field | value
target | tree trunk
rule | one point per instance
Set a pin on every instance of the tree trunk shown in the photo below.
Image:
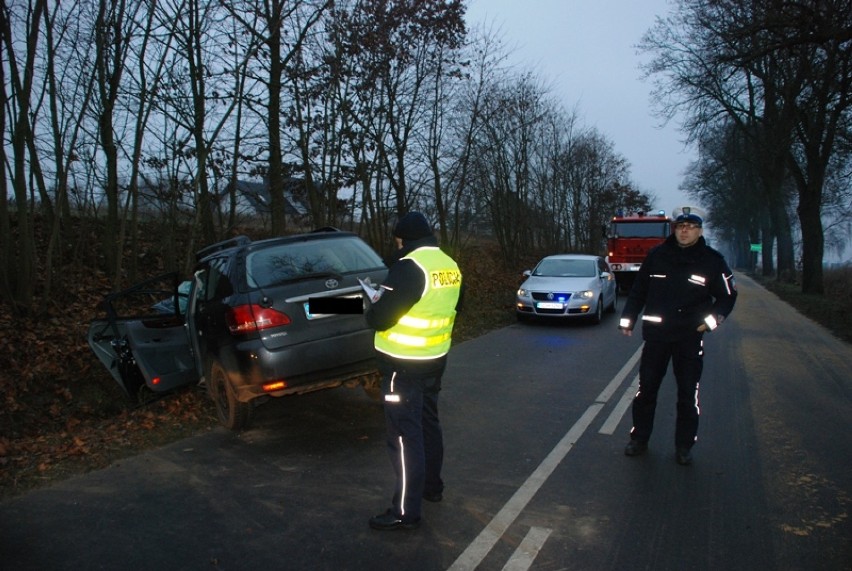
(813, 239)
(784, 235)
(21, 260)
(273, 107)
(23, 268)
(6, 267)
(767, 241)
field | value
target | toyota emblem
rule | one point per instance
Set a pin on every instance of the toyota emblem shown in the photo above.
(331, 283)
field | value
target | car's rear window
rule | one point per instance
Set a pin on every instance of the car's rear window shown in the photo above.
(297, 260)
(566, 268)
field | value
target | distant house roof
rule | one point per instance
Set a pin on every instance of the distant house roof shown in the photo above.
(252, 197)
(257, 195)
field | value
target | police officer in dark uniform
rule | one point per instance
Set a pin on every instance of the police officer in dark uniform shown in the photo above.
(686, 289)
(414, 320)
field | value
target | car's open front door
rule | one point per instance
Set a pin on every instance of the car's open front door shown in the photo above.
(141, 337)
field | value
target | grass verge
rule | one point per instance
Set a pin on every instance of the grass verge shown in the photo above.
(832, 310)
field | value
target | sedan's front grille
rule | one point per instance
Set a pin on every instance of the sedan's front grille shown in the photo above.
(551, 296)
(550, 311)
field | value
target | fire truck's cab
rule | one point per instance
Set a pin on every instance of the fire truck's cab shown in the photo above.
(629, 239)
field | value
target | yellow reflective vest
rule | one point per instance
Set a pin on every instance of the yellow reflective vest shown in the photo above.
(425, 331)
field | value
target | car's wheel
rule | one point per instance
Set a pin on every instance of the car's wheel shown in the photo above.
(612, 308)
(232, 413)
(146, 396)
(597, 317)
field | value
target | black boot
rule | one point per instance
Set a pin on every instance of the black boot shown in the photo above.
(683, 456)
(635, 448)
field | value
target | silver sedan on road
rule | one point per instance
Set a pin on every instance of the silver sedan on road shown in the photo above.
(567, 286)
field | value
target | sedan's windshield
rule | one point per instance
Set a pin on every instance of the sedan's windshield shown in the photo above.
(566, 268)
(319, 258)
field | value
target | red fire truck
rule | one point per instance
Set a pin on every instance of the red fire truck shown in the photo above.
(630, 238)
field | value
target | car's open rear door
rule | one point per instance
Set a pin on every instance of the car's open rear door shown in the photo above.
(141, 337)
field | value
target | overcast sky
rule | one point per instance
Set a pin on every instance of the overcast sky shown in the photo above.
(585, 50)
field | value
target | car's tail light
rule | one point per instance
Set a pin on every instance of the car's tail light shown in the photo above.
(251, 318)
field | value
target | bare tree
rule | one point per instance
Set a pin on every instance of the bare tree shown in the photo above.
(276, 54)
(361, 120)
(781, 71)
(203, 111)
(694, 75)
(240, 60)
(320, 90)
(823, 46)
(6, 250)
(724, 178)
(19, 254)
(67, 46)
(143, 86)
(598, 178)
(504, 156)
(398, 47)
(114, 32)
(487, 57)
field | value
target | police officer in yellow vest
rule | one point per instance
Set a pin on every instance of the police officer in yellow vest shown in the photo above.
(413, 320)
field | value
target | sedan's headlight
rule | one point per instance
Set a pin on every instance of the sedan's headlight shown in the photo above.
(588, 294)
(523, 293)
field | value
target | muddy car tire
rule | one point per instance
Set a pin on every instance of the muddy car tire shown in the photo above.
(232, 413)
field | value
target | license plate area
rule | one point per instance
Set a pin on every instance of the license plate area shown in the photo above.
(344, 308)
(312, 316)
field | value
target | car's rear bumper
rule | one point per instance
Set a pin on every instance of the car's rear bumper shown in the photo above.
(256, 370)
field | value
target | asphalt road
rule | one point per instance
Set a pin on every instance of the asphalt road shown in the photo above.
(535, 425)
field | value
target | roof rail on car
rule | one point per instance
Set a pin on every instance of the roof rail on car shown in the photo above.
(223, 245)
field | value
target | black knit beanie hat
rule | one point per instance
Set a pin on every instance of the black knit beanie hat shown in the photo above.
(412, 226)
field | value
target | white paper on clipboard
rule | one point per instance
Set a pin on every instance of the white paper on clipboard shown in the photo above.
(372, 293)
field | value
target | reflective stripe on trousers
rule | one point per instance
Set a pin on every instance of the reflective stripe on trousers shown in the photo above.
(686, 356)
(414, 439)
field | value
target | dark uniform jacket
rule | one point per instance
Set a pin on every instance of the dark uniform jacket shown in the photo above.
(679, 289)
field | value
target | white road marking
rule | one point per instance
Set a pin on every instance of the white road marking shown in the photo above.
(619, 376)
(474, 554)
(476, 551)
(617, 413)
(524, 555)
